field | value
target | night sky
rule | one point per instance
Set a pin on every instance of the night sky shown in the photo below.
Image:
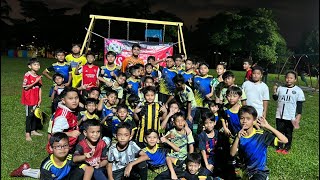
(294, 17)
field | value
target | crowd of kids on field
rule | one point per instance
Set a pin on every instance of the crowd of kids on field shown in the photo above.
(178, 121)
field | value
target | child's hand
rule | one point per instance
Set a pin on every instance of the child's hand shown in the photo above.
(109, 84)
(227, 131)
(112, 73)
(190, 118)
(39, 103)
(242, 133)
(75, 133)
(262, 122)
(295, 123)
(38, 78)
(210, 167)
(84, 118)
(170, 136)
(137, 109)
(163, 109)
(55, 88)
(275, 87)
(127, 170)
(87, 155)
(164, 139)
(190, 80)
(129, 86)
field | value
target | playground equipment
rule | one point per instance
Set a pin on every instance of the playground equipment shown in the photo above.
(148, 33)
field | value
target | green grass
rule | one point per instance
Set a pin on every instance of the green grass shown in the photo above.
(301, 163)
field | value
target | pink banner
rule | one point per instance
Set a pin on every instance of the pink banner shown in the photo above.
(123, 49)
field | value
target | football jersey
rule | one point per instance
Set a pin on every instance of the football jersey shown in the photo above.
(90, 75)
(106, 71)
(135, 86)
(182, 141)
(99, 152)
(82, 60)
(188, 75)
(208, 144)
(50, 170)
(30, 97)
(233, 121)
(202, 84)
(287, 101)
(63, 69)
(187, 96)
(167, 76)
(157, 157)
(116, 121)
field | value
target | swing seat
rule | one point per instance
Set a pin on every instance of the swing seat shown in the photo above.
(153, 33)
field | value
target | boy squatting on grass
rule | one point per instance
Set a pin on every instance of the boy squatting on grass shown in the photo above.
(252, 144)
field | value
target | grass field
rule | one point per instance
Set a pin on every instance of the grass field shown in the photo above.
(301, 163)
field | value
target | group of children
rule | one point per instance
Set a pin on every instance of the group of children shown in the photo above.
(178, 121)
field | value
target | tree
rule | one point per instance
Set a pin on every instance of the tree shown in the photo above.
(311, 43)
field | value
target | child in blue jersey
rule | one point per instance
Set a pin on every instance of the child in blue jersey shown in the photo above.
(58, 88)
(59, 67)
(110, 69)
(208, 139)
(134, 80)
(189, 73)
(157, 155)
(57, 166)
(132, 102)
(122, 115)
(252, 144)
(179, 63)
(202, 83)
(148, 81)
(107, 107)
(167, 86)
(90, 112)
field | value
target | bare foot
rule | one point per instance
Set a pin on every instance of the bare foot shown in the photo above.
(35, 133)
(28, 137)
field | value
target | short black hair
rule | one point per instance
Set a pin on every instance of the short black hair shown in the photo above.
(122, 106)
(248, 109)
(212, 103)
(140, 65)
(224, 64)
(148, 64)
(59, 51)
(146, 78)
(174, 101)
(207, 115)
(133, 99)
(58, 136)
(111, 53)
(178, 114)
(111, 91)
(91, 100)
(250, 62)
(188, 59)
(146, 89)
(33, 60)
(227, 74)
(68, 89)
(133, 68)
(170, 57)
(76, 44)
(149, 131)
(136, 45)
(124, 125)
(178, 79)
(90, 53)
(177, 56)
(204, 63)
(91, 122)
(257, 68)
(292, 72)
(151, 57)
(56, 75)
(234, 90)
(194, 157)
(94, 89)
(122, 74)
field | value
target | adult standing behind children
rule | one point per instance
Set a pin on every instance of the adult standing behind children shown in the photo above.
(75, 59)
(132, 60)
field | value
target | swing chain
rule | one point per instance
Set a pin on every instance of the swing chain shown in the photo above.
(109, 23)
(146, 32)
(164, 32)
(128, 30)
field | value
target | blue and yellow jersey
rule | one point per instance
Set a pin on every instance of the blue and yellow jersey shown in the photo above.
(188, 75)
(63, 69)
(167, 76)
(50, 170)
(253, 148)
(157, 156)
(116, 121)
(106, 71)
(202, 84)
(106, 110)
(135, 85)
(187, 96)
(82, 60)
(233, 121)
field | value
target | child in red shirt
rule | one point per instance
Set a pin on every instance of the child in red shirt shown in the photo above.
(31, 96)
(247, 64)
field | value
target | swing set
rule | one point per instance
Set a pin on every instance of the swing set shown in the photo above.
(148, 32)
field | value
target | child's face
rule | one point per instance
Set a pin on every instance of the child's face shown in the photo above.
(290, 79)
(90, 59)
(110, 59)
(180, 122)
(179, 86)
(75, 49)
(246, 65)
(233, 98)
(214, 108)
(149, 96)
(122, 113)
(61, 149)
(141, 72)
(209, 125)
(148, 82)
(71, 100)
(220, 70)
(229, 81)
(256, 75)
(152, 139)
(174, 108)
(35, 66)
(136, 51)
(149, 69)
(91, 107)
(246, 120)
(169, 63)
(204, 70)
(59, 80)
(94, 94)
(60, 57)
(121, 80)
(123, 136)
(193, 168)
(151, 60)
(188, 65)
(136, 73)
(92, 133)
(178, 62)
(112, 99)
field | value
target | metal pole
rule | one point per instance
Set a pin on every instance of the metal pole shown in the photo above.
(87, 38)
(284, 66)
(298, 62)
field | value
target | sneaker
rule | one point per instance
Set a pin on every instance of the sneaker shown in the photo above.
(18, 172)
(279, 151)
(285, 152)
